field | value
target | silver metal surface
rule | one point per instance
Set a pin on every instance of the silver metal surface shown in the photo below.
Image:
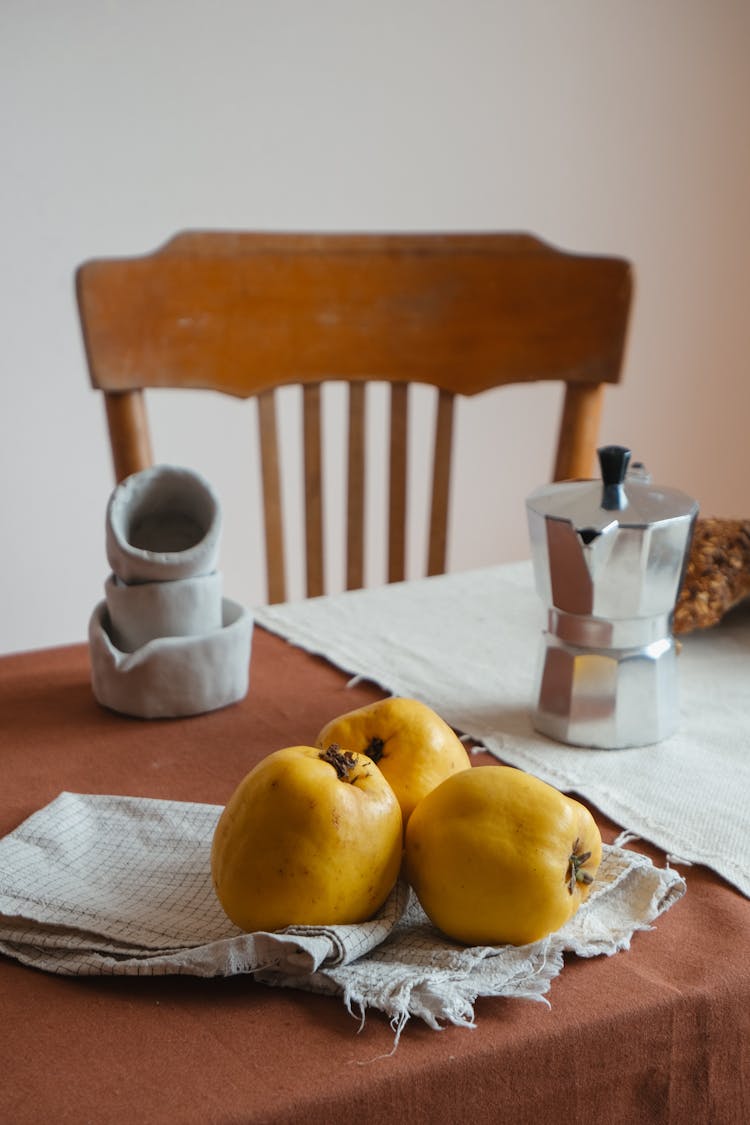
(595, 632)
(609, 556)
(607, 698)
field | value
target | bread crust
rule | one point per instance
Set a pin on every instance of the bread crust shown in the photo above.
(717, 576)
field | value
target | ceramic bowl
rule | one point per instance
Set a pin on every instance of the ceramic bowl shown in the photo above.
(172, 677)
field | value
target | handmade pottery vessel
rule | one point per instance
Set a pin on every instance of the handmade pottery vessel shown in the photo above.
(186, 607)
(164, 643)
(171, 677)
(163, 524)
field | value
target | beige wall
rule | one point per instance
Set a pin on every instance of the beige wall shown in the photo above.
(600, 125)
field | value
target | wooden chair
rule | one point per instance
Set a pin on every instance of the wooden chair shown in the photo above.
(245, 313)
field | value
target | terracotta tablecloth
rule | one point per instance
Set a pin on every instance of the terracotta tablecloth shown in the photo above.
(659, 1033)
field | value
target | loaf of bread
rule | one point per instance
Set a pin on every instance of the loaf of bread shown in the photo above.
(717, 576)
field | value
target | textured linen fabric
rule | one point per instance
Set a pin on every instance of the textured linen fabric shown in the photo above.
(106, 885)
(467, 645)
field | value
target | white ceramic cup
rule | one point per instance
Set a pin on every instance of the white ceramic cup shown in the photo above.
(186, 607)
(163, 524)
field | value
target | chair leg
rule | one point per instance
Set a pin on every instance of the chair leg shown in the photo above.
(128, 432)
(355, 493)
(397, 483)
(315, 567)
(441, 477)
(579, 431)
(272, 516)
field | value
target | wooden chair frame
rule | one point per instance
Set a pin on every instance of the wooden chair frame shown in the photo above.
(244, 313)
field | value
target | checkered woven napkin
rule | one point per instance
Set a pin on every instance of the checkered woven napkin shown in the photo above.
(106, 885)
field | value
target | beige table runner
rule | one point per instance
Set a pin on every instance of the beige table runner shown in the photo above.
(466, 644)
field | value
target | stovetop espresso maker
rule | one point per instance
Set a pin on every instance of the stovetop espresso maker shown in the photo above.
(609, 557)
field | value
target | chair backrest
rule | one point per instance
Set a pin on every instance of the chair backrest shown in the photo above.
(245, 313)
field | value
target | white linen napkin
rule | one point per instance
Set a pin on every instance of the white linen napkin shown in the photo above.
(107, 885)
(467, 645)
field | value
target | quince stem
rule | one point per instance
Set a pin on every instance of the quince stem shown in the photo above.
(575, 874)
(343, 761)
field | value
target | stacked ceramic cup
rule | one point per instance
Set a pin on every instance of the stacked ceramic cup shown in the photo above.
(165, 642)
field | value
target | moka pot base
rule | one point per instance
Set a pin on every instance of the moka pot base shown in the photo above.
(607, 698)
